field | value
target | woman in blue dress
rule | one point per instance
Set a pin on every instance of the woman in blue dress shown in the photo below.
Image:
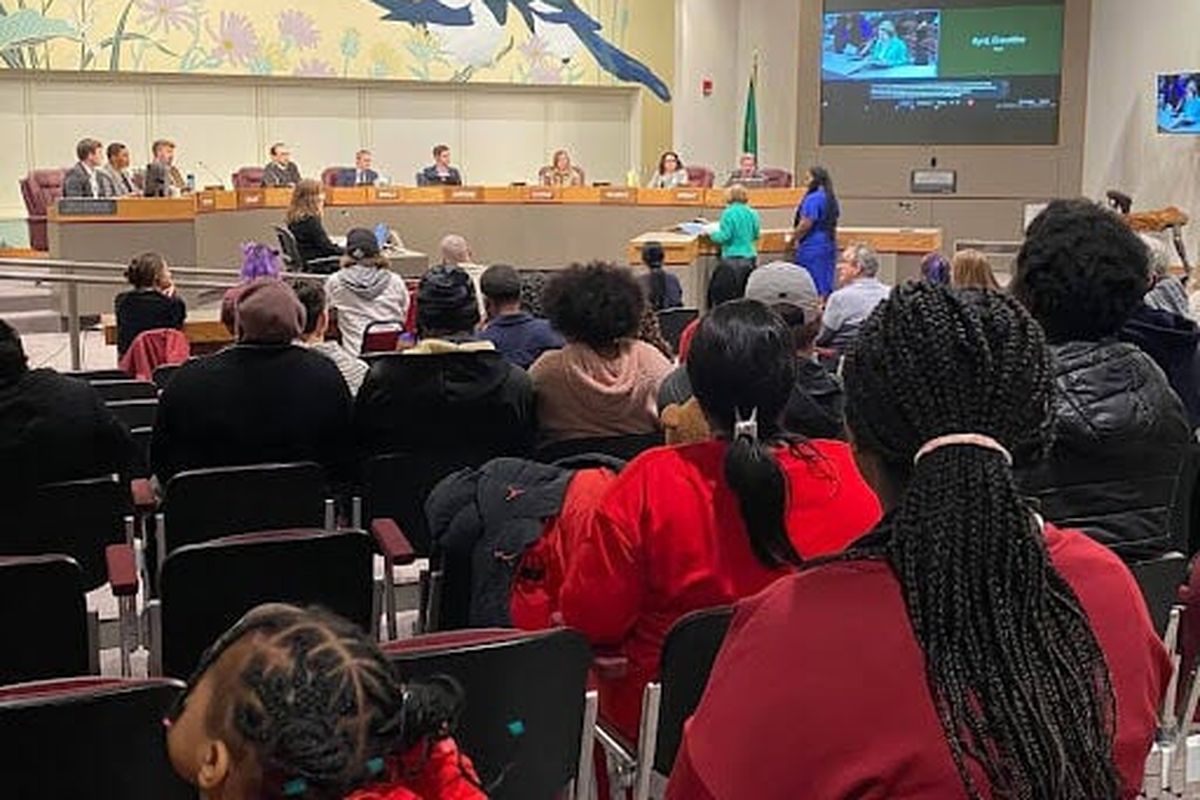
(816, 229)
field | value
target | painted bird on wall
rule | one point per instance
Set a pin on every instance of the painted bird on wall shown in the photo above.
(564, 15)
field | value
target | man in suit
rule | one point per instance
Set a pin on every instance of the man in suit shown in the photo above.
(84, 179)
(440, 173)
(361, 175)
(281, 171)
(116, 171)
(164, 155)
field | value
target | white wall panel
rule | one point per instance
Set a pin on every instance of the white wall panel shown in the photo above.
(13, 140)
(215, 126)
(404, 124)
(507, 124)
(64, 113)
(595, 128)
(320, 124)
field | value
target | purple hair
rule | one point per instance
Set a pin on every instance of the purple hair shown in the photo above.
(260, 261)
(935, 269)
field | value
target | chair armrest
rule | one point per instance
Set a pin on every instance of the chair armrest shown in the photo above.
(392, 542)
(610, 668)
(142, 492)
(122, 569)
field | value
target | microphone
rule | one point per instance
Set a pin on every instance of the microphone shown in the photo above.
(212, 172)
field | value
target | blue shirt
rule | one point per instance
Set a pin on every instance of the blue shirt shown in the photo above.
(521, 337)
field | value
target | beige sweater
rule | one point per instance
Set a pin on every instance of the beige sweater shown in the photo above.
(582, 395)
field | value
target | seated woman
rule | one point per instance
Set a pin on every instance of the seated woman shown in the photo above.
(561, 172)
(662, 288)
(671, 173)
(151, 304)
(604, 382)
(964, 648)
(686, 528)
(304, 220)
(365, 290)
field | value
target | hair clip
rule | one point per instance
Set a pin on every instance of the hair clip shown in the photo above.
(516, 728)
(295, 787)
(745, 428)
(375, 765)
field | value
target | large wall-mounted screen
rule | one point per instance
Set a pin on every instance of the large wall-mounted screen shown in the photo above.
(906, 72)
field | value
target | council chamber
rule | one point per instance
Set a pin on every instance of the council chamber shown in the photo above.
(590, 399)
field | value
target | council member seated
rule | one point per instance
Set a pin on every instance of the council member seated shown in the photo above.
(117, 171)
(365, 290)
(747, 173)
(848, 308)
(85, 178)
(518, 335)
(164, 154)
(281, 170)
(561, 172)
(671, 173)
(361, 175)
(305, 220)
(440, 173)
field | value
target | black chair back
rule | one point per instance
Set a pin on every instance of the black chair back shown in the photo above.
(205, 504)
(688, 654)
(289, 248)
(99, 375)
(524, 707)
(672, 322)
(625, 448)
(1160, 579)
(100, 737)
(127, 389)
(44, 619)
(75, 518)
(135, 413)
(162, 375)
(141, 440)
(205, 588)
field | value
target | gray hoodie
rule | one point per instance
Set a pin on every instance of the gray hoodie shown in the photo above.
(362, 295)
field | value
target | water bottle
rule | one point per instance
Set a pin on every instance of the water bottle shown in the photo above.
(191, 183)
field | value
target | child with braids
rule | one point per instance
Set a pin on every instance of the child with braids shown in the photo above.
(691, 527)
(298, 704)
(963, 648)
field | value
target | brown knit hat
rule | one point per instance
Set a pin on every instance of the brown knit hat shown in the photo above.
(268, 312)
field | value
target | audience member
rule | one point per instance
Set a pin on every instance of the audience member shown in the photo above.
(85, 179)
(151, 304)
(456, 252)
(117, 171)
(294, 702)
(263, 400)
(304, 220)
(662, 288)
(533, 286)
(440, 173)
(671, 173)
(1081, 273)
(970, 269)
(992, 654)
(604, 381)
(737, 232)
(815, 229)
(518, 335)
(316, 324)
(361, 175)
(163, 151)
(935, 268)
(702, 525)
(561, 172)
(365, 290)
(53, 428)
(1167, 292)
(258, 261)
(860, 291)
(747, 173)
(281, 170)
(452, 393)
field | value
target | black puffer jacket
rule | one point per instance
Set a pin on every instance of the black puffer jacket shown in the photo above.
(1120, 439)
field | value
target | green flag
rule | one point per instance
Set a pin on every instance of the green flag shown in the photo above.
(750, 129)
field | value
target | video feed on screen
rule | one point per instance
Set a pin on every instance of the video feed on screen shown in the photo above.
(1179, 103)
(912, 72)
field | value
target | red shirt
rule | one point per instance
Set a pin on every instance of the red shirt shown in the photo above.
(820, 689)
(668, 538)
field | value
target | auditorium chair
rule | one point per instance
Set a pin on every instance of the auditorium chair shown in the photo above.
(529, 717)
(91, 375)
(40, 190)
(1160, 580)
(45, 621)
(135, 413)
(296, 262)
(162, 376)
(777, 178)
(673, 321)
(382, 336)
(89, 737)
(624, 448)
(700, 177)
(687, 658)
(205, 588)
(126, 389)
(329, 175)
(248, 178)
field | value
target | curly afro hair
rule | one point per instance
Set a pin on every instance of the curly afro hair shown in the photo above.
(595, 304)
(1081, 271)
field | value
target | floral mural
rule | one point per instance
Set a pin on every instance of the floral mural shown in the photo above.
(504, 41)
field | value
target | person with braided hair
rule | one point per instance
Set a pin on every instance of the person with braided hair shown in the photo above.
(690, 527)
(963, 648)
(299, 704)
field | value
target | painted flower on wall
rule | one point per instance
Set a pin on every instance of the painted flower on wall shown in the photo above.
(314, 68)
(298, 30)
(236, 41)
(165, 15)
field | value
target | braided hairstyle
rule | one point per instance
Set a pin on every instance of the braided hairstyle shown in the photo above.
(1015, 672)
(314, 703)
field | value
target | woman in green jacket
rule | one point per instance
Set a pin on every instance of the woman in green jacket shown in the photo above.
(737, 234)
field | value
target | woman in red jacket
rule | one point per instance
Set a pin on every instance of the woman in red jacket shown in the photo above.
(686, 528)
(964, 648)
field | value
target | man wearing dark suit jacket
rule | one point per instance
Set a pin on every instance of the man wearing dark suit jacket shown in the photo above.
(361, 175)
(282, 171)
(85, 179)
(440, 173)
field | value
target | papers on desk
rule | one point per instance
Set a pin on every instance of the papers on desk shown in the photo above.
(696, 228)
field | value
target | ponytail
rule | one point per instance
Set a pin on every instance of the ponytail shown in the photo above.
(761, 489)
(658, 287)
